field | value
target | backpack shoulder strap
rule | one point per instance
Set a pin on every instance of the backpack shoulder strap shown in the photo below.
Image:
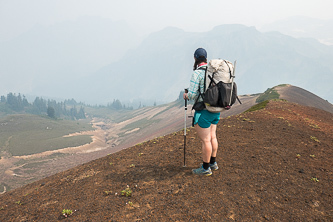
(202, 94)
(202, 68)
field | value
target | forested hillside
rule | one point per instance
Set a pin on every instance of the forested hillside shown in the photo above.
(13, 103)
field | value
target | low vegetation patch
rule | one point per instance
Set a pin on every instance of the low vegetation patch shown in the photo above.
(314, 139)
(258, 106)
(127, 192)
(269, 94)
(66, 212)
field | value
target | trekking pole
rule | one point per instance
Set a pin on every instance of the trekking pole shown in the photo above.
(186, 91)
(232, 83)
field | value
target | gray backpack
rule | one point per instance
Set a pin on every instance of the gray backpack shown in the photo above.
(220, 88)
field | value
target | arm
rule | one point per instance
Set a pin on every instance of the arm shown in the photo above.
(194, 86)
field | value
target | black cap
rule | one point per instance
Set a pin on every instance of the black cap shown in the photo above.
(200, 52)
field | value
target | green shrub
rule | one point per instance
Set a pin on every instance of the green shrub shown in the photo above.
(269, 94)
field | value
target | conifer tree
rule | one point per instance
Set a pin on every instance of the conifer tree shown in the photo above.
(51, 112)
(81, 114)
(117, 105)
(3, 99)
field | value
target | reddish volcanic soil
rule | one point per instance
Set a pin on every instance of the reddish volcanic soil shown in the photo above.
(275, 164)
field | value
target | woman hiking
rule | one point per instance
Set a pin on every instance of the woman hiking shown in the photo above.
(204, 121)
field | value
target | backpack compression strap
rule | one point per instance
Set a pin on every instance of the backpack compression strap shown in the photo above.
(232, 85)
(231, 76)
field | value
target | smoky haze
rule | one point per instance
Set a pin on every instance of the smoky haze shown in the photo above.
(47, 48)
(19, 16)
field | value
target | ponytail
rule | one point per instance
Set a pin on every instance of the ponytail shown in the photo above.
(198, 61)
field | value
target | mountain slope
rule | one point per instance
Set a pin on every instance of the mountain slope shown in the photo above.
(161, 66)
(275, 164)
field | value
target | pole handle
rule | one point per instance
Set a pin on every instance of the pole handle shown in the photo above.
(186, 91)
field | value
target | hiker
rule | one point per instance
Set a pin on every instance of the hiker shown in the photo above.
(205, 122)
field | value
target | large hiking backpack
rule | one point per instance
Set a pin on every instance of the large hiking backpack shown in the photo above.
(220, 88)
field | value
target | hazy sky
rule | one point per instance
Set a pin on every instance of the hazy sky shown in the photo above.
(18, 16)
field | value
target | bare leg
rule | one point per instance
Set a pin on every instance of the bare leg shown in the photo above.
(205, 135)
(214, 140)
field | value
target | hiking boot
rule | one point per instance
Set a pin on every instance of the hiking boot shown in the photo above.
(202, 171)
(212, 166)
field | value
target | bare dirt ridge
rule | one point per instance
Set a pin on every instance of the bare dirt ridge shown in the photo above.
(303, 97)
(275, 164)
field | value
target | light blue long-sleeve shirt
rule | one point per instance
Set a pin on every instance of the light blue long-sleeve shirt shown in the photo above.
(197, 81)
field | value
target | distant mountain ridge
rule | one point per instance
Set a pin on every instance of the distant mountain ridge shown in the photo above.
(161, 66)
